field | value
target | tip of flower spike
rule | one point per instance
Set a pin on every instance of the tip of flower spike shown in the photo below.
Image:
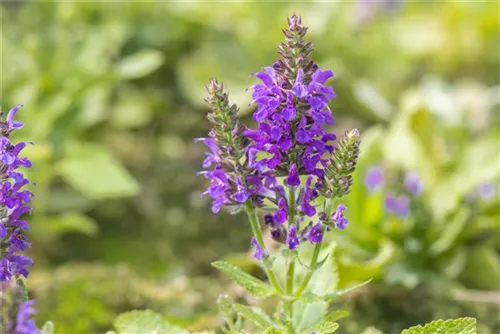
(294, 21)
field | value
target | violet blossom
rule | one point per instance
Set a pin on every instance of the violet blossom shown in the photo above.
(290, 141)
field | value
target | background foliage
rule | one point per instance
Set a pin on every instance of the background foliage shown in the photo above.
(113, 96)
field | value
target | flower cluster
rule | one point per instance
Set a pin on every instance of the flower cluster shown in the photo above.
(14, 200)
(16, 312)
(395, 204)
(289, 160)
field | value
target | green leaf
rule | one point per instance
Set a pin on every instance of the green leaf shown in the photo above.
(92, 171)
(255, 314)
(139, 64)
(346, 290)
(307, 314)
(327, 325)
(272, 330)
(450, 233)
(456, 326)
(482, 270)
(144, 322)
(72, 222)
(48, 328)
(250, 283)
(326, 278)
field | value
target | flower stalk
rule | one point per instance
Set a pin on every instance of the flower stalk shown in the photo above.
(284, 164)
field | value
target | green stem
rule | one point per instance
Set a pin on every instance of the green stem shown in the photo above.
(257, 232)
(290, 274)
(314, 259)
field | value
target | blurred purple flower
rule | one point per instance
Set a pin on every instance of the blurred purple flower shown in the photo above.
(374, 178)
(487, 190)
(398, 205)
(413, 183)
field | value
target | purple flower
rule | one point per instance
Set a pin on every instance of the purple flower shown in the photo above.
(259, 252)
(24, 323)
(413, 183)
(339, 218)
(310, 195)
(315, 234)
(15, 201)
(374, 178)
(281, 215)
(487, 190)
(293, 179)
(292, 241)
(398, 205)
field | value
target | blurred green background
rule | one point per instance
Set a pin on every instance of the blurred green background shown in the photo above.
(113, 96)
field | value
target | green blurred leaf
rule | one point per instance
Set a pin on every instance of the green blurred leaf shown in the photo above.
(272, 330)
(97, 175)
(456, 326)
(250, 283)
(482, 270)
(139, 64)
(449, 233)
(72, 222)
(254, 314)
(48, 328)
(144, 322)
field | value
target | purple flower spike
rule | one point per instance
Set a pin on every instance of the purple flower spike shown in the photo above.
(259, 252)
(293, 179)
(16, 202)
(413, 183)
(374, 178)
(315, 234)
(292, 241)
(25, 324)
(339, 218)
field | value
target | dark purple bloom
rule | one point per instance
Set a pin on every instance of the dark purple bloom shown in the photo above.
(259, 252)
(293, 179)
(281, 215)
(315, 234)
(292, 241)
(413, 183)
(398, 205)
(374, 178)
(310, 195)
(339, 218)
(269, 220)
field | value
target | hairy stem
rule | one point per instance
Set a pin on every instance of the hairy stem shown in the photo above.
(257, 232)
(314, 258)
(290, 273)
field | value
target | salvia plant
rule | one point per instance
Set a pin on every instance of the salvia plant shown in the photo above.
(288, 167)
(16, 310)
(290, 171)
